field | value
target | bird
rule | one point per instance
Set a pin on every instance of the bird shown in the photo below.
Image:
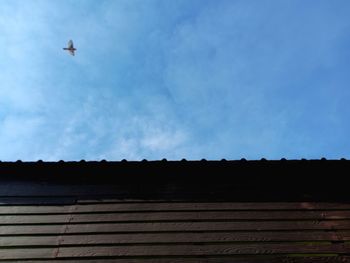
(70, 48)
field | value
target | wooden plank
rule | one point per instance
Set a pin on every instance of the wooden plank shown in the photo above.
(204, 250)
(137, 238)
(37, 209)
(32, 229)
(209, 226)
(173, 216)
(229, 259)
(210, 215)
(144, 207)
(13, 241)
(173, 250)
(34, 219)
(210, 206)
(170, 204)
(27, 253)
(139, 207)
(174, 227)
(345, 235)
(205, 237)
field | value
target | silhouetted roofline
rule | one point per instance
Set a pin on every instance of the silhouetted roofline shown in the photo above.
(286, 180)
(177, 168)
(182, 160)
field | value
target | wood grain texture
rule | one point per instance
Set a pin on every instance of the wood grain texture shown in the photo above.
(32, 229)
(174, 250)
(140, 204)
(174, 227)
(211, 206)
(144, 238)
(171, 216)
(28, 253)
(197, 250)
(209, 226)
(212, 215)
(206, 237)
(34, 219)
(36, 209)
(171, 206)
(23, 241)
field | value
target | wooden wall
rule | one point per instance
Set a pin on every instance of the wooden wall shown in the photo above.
(283, 211)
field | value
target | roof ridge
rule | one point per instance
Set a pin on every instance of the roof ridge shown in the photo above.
(180, 160)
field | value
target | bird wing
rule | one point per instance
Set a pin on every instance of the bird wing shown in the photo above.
(70, 44)
(71, 52)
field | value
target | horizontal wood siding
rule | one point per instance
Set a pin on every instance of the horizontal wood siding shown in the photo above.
(172, 212)
(133, 231)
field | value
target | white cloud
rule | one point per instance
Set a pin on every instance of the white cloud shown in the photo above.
(164, 141)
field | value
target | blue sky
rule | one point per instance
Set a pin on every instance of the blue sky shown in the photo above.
(174, 79)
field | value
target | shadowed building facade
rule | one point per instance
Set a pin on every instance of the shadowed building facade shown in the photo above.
(175, 211)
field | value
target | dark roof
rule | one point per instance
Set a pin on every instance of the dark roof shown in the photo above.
(175, 211)
(293, 180)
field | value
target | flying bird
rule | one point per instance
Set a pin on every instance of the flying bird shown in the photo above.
(70, 47)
